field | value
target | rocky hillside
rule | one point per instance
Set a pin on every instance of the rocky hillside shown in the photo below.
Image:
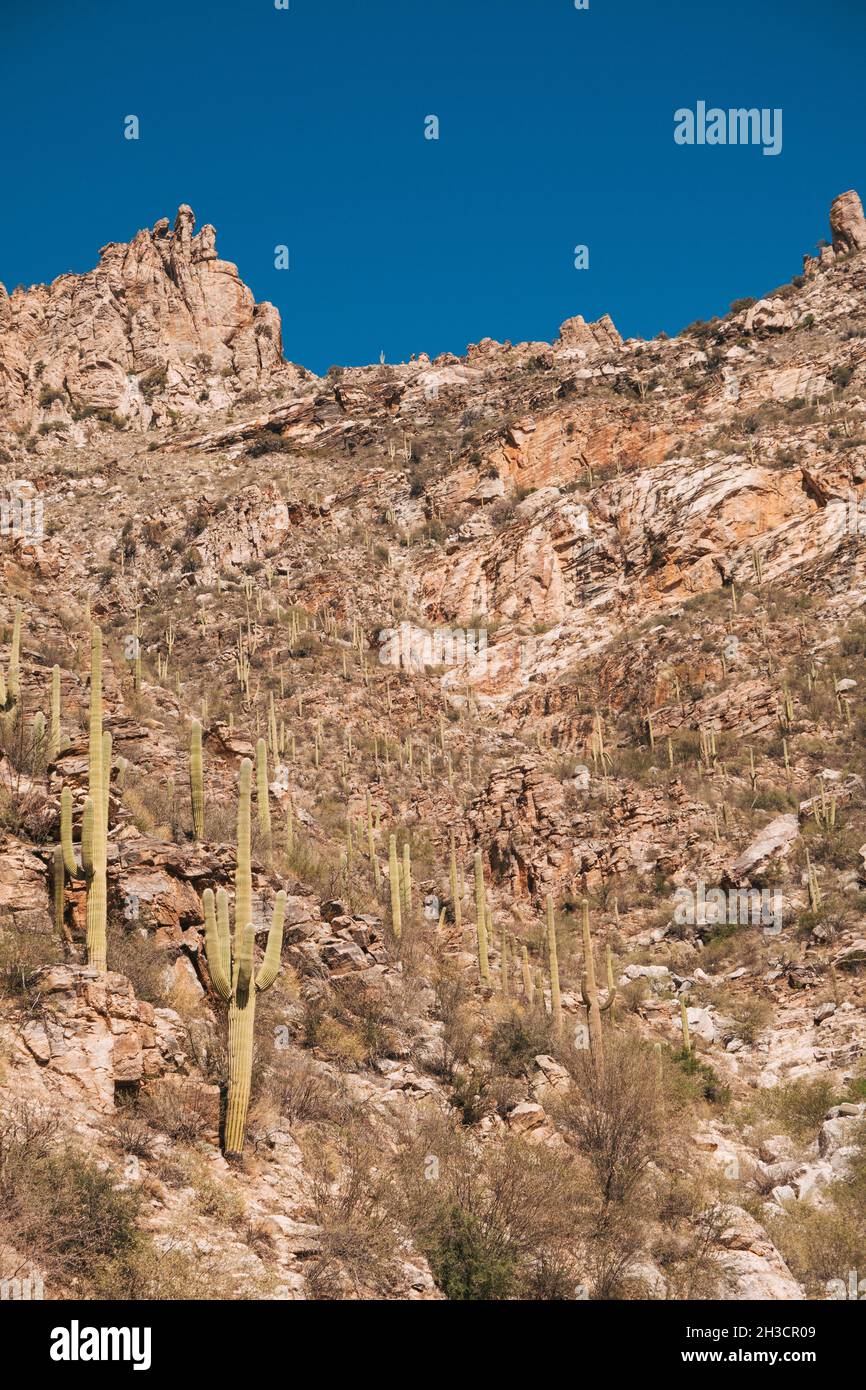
(551, 659)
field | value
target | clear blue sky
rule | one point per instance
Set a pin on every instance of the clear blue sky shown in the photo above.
(306, 127)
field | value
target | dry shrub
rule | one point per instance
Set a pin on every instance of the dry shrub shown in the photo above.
(183, 1112)
(616, 1119)
(453, 1005)
(302, 1091)
(23, 951)
(65, 1214)
(358, 1256)
(495, 1221)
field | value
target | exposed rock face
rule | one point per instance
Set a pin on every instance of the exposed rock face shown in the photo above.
(847, 222)
(848, 227)
(591, 339)
(161, 324)
(90, 1034)
(616, 556)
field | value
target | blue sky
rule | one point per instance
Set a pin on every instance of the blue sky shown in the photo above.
(305, 127)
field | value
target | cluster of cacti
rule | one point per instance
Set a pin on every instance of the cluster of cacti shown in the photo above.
(231, 963)
(601, 759)
(824, 810)
(94, 825)
(708, 753)
(758, 564)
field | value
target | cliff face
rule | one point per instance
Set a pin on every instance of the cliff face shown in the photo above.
(596, 609)
(161, 325)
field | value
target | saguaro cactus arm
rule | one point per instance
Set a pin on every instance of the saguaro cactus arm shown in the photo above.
(69, 861)
(244, 961)
(273, 951)
(216, 947)
(243, 874)
(87, 832)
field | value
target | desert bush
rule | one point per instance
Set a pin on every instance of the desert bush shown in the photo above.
(182, 1112)
(132, 954)
(453, 1005)
(23, 951)
(66, 1214)
(358, 1255)
(615, 1119)
(799, 1107)
(495, 1221)
(517, 1039)
(302, 1091)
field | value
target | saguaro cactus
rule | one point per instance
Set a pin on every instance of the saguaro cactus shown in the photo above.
(99, 774)
(456, 904)
(94, 824)
(231, 965)
(394, 884)
(371, 847)
(13, 679)
(481, 918)
(54, 726)
(406, 883)
(528, 987)
(555, 993)
(196, 781)
(684, 1016)
(589, 992)
(262, 793)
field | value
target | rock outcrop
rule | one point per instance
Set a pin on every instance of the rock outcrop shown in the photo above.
(847, 223)
(848, 227)
(161, 325)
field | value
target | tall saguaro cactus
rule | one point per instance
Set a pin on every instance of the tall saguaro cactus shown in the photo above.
(13, 679)
(94, 824)
(196, 780)
(684, 1019)
(481, 918)
(99, 776)
(589, 991)
(456, 904)
(555, 993)
(394, 885)
(263, 804)
(231, 965)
